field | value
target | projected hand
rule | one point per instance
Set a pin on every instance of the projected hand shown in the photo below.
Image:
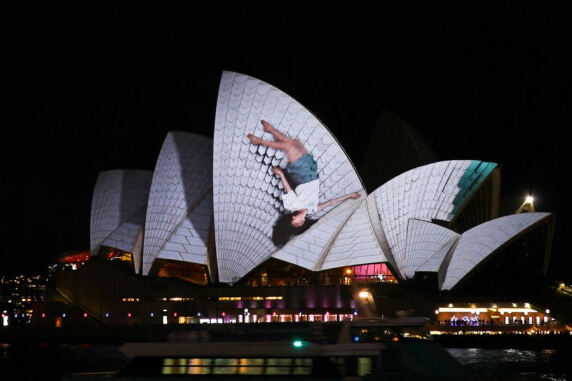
(278, 171)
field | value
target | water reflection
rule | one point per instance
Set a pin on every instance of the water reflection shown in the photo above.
(545, 364)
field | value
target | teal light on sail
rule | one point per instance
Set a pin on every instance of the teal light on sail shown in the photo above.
(473, 177)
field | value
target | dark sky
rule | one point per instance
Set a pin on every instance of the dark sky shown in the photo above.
(93, 89)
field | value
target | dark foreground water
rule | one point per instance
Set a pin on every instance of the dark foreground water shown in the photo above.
(543, 364)
(52, 361)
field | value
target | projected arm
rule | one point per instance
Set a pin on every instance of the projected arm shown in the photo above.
(337, 200)
(278, 171)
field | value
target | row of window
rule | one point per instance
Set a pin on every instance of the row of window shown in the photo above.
(225, 298)
(362, 366)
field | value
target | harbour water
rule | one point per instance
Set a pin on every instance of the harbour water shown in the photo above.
(499, 364)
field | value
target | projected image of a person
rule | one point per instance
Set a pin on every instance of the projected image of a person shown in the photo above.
(303, 201)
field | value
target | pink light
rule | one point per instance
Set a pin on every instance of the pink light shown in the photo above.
(43, 315)
(129, 314)
(174, 314)
(371, 270)
(223, 314)
(85, 314)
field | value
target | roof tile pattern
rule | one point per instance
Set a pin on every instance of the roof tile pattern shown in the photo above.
(483, 240)
(118, 208)
(128, 236)
(424, 193)
(356, 243)
(427, 245)
(176, 213)
(189, 240)
(246, 195)
(306, 250)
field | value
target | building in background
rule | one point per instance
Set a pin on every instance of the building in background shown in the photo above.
(200, 238)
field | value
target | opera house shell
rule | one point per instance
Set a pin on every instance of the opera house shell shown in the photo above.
(214, 203)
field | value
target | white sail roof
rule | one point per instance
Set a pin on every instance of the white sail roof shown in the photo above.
(118, 210)
(483, 240)
(229, 178)
(434, 191)
(427, 245)
(180, 201)
(246, 195)
(309, 249)
(356, 243)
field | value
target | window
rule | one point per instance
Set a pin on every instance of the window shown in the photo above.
(364, 366)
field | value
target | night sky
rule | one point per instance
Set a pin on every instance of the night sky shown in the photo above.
(94, 89)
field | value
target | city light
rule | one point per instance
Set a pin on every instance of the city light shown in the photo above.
(529, 199)
(364, 294)
(461, 309)
(297, 343)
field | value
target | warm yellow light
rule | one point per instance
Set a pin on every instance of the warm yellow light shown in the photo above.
(515, 310)
(461, 309)
(348, 271)
(529, 199)
(364, 294)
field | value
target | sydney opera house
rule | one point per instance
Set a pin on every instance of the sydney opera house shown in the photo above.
(200, 237)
